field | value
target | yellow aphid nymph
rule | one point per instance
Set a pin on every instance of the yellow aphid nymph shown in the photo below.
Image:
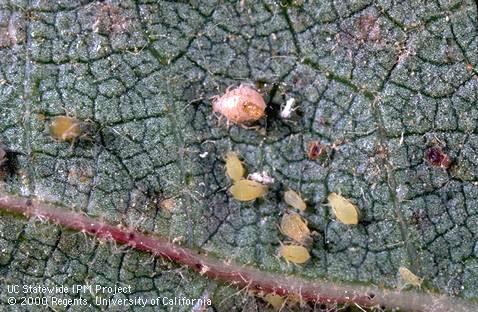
(294, 199)
(409, 277)
(234, 168)
(294, 253)
(344, 210)
(293, 226)
(246, 190)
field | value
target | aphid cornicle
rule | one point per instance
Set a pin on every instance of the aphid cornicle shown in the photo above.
(247, 190)
(234, 168)
(293, 199)
(293, 226)
(294, 253)
(240, 105)
(344, 210)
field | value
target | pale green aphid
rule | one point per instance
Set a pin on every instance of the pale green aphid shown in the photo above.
(409, 277)
(294, 253)
(293, 199)
(344, 210)
(234, 168)
(293, 226)
(246, 190)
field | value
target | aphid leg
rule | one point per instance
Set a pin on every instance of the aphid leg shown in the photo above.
(89, 129)
(218, 118)
(68, 113)
(230, 88)
(72, 145)
(214, 98)
(255, 128)
(279, 228)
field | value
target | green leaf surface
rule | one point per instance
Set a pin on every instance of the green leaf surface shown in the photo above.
(382, 81)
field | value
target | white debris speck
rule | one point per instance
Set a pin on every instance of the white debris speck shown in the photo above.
(203, 155)
(261, 177)
(287, 110)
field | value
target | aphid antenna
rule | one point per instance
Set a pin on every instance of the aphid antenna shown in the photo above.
(116, 131)
(401, 138)
(284, 57)
(436, 140)
(363, 195)
(198, 99)
(359, 133)
(280, 230)
(393, 245)
(136, 51)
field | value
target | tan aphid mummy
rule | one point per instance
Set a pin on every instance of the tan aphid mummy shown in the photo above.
(344, 210)
(64, 128)
(293, 199)
(409, 277)
(234, 169)
(276, 301)
(293, 226)
(240, 105)
(294, 253)
(246, 190)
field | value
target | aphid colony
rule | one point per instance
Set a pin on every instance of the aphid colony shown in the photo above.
(292, 225)
(295, 228)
